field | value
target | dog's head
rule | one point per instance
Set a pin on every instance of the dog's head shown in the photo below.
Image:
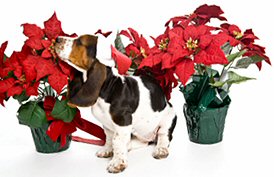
(80, 53)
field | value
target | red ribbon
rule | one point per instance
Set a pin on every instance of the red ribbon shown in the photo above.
(61, 129)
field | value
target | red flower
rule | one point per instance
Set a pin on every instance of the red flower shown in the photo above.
(41, 41)
(205, 13)
(246, 40)
(235, 32)
(13, 77)
(200, 16)
(139, 47)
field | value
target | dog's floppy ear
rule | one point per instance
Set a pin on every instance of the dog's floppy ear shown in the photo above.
(89, 91)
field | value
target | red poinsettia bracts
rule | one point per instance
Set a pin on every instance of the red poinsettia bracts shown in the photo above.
(246, 41)
(139, 48)
(205, 13)
(41, 41)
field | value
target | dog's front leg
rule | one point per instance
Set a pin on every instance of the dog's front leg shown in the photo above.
(120, 141)
(107, 150)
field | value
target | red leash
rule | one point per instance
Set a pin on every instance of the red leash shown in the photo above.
(90, 128)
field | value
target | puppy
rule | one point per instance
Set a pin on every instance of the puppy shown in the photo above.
(133, 110)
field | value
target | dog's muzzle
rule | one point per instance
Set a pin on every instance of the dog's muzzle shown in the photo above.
(63, 47)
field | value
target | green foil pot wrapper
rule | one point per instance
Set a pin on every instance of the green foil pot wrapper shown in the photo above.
(44, 144)
(205, 110)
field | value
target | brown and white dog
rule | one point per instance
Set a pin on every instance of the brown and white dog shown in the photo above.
(133, 110)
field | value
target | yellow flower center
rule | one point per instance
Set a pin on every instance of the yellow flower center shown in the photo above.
(163, 44)
(22, 78)
(238, 35)
(191, 44)
(143, 52)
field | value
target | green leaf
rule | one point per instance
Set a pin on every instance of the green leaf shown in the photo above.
(246, 61)
(257, 58)
(22, 97)
(236, 79)
(62, 111)
(233, 56)
(227, 48)
(212, 72)
(217, 84)
(32, 115)
(119, 44)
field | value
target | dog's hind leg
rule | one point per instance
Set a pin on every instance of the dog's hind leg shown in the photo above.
(164, 136)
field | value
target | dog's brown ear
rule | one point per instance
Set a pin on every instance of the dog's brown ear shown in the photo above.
(89, 91)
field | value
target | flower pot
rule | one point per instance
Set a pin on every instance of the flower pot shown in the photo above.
(44, 143)
(205, 110)
(205, 127)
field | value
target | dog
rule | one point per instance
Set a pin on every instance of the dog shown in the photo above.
(132, 109)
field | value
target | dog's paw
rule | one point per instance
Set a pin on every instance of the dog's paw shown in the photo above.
(160, 153)
(104, 153)
(117, 165)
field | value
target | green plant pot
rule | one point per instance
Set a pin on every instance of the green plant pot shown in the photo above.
(44, 144)
(205, 127)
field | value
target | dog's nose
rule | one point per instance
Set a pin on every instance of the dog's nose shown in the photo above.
(58, 40)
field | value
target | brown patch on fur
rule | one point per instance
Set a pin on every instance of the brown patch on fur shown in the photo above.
(80, 54)
(90, 90)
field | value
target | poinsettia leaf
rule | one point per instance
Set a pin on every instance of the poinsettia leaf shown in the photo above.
(29, 67)
(227, 48)
(184, 70)
(46, 54)
(234, 78)
(44, 67)
(21, 98)
(58, 80)
(66, 68)
(34, 43)
(3, 57)
(233, 56)
(15, 90)
(2, 98)
(62, 111)
(244, 62)
(126, 33)
(32, 115)
(32, 90)
(105, 34)
(212, 72)
(217, 84)
(32, 30)
(6, 84)
(52, 27)
(123, 61)
(119, 44)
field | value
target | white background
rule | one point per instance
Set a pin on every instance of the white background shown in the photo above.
(247, 148)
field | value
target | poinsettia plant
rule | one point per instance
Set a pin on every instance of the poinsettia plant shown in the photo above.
(190, 46)
(37, 78)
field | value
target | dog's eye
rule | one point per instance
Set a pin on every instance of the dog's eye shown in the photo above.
(78, 42)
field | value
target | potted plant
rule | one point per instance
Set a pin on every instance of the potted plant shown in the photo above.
(190, 49)
(37, 79)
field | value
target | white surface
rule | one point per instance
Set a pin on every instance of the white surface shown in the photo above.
(247, 148)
